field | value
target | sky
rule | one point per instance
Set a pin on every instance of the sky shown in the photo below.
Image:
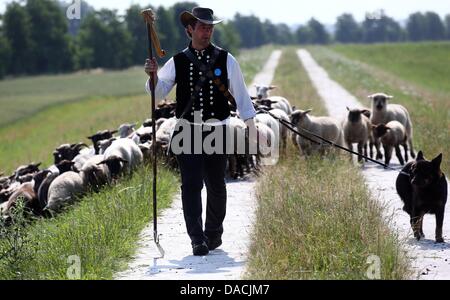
(292, 12)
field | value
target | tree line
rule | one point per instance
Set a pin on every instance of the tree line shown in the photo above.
(37, 37)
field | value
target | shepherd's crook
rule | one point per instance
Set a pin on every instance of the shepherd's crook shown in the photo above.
(149, 18)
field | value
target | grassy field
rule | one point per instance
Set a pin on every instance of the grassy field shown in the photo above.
(424, 64)
(102, 229)
(316, 219)
(23, 97)
(424, 93)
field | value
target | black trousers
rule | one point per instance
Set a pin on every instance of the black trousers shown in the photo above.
(198, 170)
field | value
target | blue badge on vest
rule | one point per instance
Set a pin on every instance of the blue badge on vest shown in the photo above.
(218, 72)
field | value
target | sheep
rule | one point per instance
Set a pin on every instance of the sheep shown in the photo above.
(264, 150)
(64, 189)
(262, 96)
(101, 135)
(262, 91)
(239, 155)
(105, 144)
(281, 114)
(61, 168)
(392, 135)
(357, 129)
(274, 125)
(325, 127)
(97, 174)
(165, 109)
(128, 151)
(383, 113)
(28, 192)
(166, 130)
(27, 169)
(67, 151)
(127, 131)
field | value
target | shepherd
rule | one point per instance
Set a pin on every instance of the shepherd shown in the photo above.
(207, 79)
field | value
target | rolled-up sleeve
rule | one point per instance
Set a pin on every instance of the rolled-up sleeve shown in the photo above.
(239, 90)
(166, 80)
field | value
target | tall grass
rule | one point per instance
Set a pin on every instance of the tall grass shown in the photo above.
(316, 219)
(101, 231)
(429, 108)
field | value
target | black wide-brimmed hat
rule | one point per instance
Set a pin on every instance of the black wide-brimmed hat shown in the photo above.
(204, 15)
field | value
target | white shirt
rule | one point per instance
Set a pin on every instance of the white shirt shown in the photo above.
(166, 81)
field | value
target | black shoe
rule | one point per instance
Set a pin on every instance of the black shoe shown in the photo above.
(200, 249)
(213, 243)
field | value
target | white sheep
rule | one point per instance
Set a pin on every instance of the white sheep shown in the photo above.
(274, 125)
(357, 129)
(266, 138)
(325, 127)
(392, 135)
(127, 131)
(383, 113)
(263, 97)
(64, 189)
(96, 173)
(128, 151)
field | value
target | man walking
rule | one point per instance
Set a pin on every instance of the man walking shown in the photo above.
(207, 77)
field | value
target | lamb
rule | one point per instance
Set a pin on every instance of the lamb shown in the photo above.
(392, 135)
(357, 129)
(326, 127)
(383, 113)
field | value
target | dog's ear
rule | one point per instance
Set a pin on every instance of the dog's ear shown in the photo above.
(420, 156)
(437, 161)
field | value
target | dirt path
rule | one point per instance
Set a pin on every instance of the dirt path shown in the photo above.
(227, 262)
(429, 260)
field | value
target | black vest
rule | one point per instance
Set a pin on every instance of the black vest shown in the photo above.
(211, 102)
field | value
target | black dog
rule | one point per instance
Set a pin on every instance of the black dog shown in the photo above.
(424, 191)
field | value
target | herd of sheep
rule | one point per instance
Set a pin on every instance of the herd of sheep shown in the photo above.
(79, 168)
